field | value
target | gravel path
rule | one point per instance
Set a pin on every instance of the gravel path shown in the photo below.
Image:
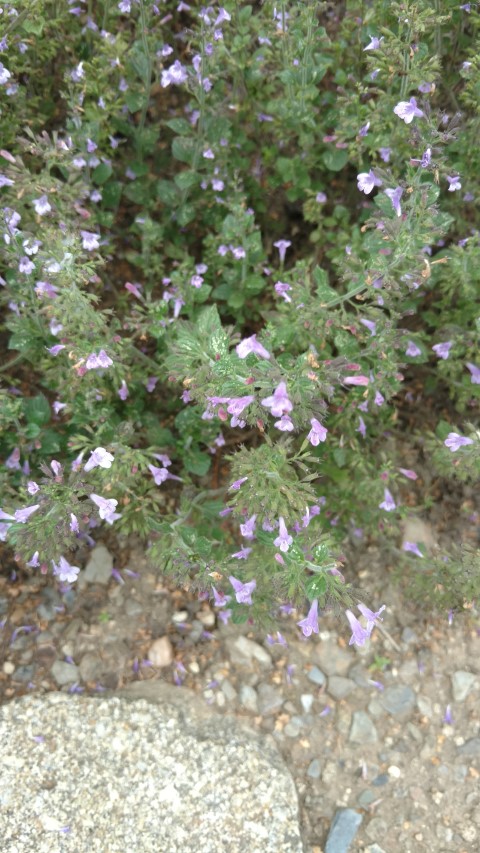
(383, 743)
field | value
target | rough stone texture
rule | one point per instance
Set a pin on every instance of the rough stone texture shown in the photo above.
(99, 567)
(84, 775)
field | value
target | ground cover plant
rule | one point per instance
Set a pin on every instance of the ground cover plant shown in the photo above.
(237, 240)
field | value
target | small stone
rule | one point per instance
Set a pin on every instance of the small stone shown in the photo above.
(248, 698)
(3, 605)
(65, 673)
(8, 667)
(380, 780)
(470, 748)
(316, 676)
(270, 700)
(99, 566)
(394, 772)
(196, 632)
(425, 706)
(228, 690)
(46, 611)
(91, 667)
(462, 683)
(367, 797)
(376, 828)
(409, 636)
(207, 618)
(133, 607)
(363, 729)
(160, 652)
(44, 637)
(25, 673)
(340, 687)
(293, 727)
(180, 616)
(344, 827)
(307, 700)
(398, 699)
(243, 652)
(332, 659)
(373, 848)
(314, 769)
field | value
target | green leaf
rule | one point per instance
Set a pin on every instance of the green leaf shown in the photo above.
(180, 126)
(37, 410)
(197, 462)
(50, 442)
(111, 194)
(134, 101)
(102, 173)
(167, 192)
(183, 149)
(34, 25)
(185, 214)
(186, 180)
(335, 158)
(316, 587)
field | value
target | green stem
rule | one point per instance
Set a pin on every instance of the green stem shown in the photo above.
(4, 367)
(148, 74)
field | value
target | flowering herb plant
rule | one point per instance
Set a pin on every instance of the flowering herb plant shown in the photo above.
(235, 239)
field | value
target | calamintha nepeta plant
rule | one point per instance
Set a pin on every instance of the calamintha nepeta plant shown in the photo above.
(228, 256)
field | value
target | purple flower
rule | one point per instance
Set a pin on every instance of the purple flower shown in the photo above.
(160, 475)
(42, 205)
(317, 433)
(285, 424)
(379, 399)
(475, 371)
(55, 350)
(407, 472)
(282, 246)
(371, 326)
(283, 540)
(74, 526)
(448, 719)
(408, 110)
(388, 503)
(455, 441)
(282, 289)
(64, 571)
(454, 183)
(196, 281)
(443, 349)
(359, 634)
(367, 181)
(236, 485)
(425, 88)
(364, 129)
(309, 625)
(371, 617)
(248, 345)
(22, 515)
(90, 241)
(248, 528)
(356, 380)
(220, 599)
(395, 196)
(106, 508)
(134, 288)
(123, 390)
(34, 562)
(373, 44)
(280, 640)
(413, 548)
(412, 350)
(175, 75)
(243, 591)
(385, 154)
(95, 361)
(362, 429)
(242, 554)
(224, 616)
(426, 158)
(279, 402)
(78, 73)
(100, 457)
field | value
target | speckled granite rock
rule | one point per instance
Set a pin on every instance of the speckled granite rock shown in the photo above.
(84, 775)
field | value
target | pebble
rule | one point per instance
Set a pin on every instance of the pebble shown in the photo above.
(243, 652)
(398, 699)
(99, 566)
(307, 700)
(46, 611)
(367, 797)
(316, 676)
(65, 673)
(340, 687)
(8, 667)
(228, 690)
(3, 605)
(133, 607)
(180, 616)
(332, 659)
(293, 727)
(314, 769)
(376, 828)
(248, 698)
(471, 747)
(270, 700)
(25, 673)
(345, 825)
(373, 848)
(363, 729)
(394, 772)
(462, 683)
(160, 652)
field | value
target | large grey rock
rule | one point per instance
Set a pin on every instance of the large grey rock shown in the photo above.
(82, 774)
(99, 567)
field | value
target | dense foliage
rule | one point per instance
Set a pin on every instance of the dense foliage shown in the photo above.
(240, 285)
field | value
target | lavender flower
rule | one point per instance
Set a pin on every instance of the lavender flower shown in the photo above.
(243, 591)
(359, 634)
(220, 599)
(385, 154)
(279, 402)
(42, 205)
(309, 625)
(106, 508)
(90, 241)
(443, 349)
(370, 325)
(412, 350)
(454, 441)
(95, 361)
(317, 433)
(123, 390)
(283, 540)
(64, 571)
(454, 183)
(175, 75)
(413, 548)
(160, 475)
(408, 110)
(407, 472)
(242, 554)
(236, 485)
(248, 528)
(282, 289)
(367, 181)
(248, 345)
(100, 457)
(395, 196)
(374, 43)
(22, 515)
(388, 503)
(362, 429)
(371, 617)
(475, 372)
(285, 424)
(282, 246)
